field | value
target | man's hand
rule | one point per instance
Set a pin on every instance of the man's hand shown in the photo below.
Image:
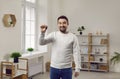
(76, 74)
(43, 28)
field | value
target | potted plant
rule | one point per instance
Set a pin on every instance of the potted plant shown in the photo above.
(16, 55)
(80, 29)
(30, 49)
(116, 58)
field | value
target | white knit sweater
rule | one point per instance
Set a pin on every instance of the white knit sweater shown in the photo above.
(64, 48)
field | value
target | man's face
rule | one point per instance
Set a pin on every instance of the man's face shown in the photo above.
(62, 24)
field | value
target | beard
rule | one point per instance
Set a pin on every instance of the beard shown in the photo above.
(63, 29)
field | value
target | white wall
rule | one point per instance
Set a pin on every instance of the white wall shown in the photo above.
(10, 38)
(96, 15)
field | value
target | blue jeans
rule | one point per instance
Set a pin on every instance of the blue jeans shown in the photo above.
(65, 73)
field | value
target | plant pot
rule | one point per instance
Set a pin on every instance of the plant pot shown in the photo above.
(16, 60)
(80, 33)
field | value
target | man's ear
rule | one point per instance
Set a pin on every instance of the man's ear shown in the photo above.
(68, 23)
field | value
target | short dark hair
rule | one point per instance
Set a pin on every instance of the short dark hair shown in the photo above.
(63, 17)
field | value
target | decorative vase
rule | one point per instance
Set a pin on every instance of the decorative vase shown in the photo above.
(101, 59)
(8, 71)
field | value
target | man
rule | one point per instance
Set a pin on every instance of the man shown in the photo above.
(64, 47)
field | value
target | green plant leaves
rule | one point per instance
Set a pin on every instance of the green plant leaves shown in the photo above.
(30, 49)
(81, 28)
(15, 55)
(116, 58)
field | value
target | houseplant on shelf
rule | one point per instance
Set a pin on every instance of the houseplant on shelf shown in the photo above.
(15, 55)
(80, 29)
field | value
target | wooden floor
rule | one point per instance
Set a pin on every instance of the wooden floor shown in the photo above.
(85, 75)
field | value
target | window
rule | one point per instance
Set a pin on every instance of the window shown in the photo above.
(29, 23)
(30, 29)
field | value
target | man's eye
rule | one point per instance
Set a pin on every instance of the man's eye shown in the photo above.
(59, 23)
(64, 22)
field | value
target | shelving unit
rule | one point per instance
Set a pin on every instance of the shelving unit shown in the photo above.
(11, 70)
(94, 52)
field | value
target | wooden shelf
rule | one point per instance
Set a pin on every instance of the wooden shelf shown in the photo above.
(90, 55)
(9, 20)
(14, 70)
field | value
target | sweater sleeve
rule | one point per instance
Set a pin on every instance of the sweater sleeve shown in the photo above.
(45, 40)
(76, 54)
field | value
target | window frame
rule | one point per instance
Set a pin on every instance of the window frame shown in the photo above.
(31, 5)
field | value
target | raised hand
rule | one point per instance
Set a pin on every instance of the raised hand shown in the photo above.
(43, 28)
